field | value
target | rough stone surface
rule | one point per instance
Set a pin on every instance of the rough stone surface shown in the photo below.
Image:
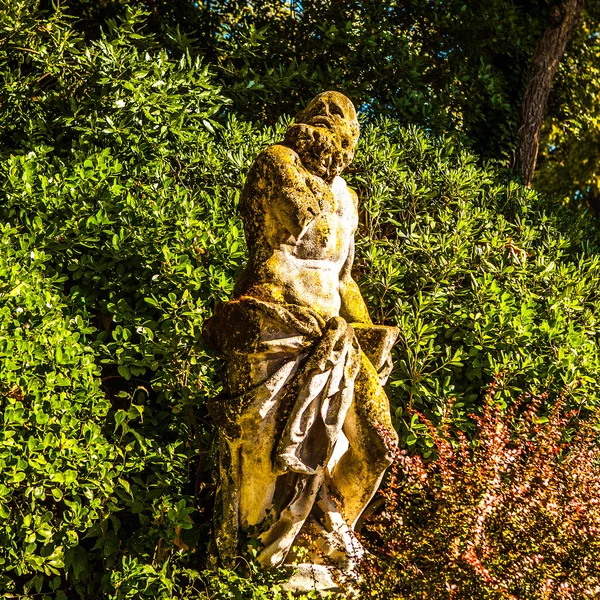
(304, 424)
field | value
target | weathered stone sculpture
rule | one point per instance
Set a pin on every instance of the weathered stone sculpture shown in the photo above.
(305, 427)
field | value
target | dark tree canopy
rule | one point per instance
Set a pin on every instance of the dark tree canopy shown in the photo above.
(450, 66)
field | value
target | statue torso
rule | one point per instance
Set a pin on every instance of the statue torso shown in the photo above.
(302, 266)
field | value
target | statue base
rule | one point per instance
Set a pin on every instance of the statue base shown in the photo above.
(322, 579)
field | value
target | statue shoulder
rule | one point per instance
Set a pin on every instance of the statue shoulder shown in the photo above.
(278, 184)
(277, 167)
(277, 158)
(276, 171)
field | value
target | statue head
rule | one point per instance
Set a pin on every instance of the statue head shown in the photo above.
(325, 134)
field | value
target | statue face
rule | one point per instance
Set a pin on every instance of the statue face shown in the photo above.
(325, 134)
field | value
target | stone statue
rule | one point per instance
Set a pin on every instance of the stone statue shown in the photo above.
(305, 427)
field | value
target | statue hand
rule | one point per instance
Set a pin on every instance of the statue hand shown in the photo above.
(385, 370)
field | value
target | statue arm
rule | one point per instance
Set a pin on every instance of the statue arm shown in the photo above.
(354, 310)
(353, 307)
(293, 202)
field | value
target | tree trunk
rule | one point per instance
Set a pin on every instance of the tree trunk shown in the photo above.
(564, 18)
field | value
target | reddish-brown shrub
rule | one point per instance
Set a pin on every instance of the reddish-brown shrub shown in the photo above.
(513, 513)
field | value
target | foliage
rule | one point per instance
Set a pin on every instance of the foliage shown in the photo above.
(447, 66)
(121, 165)
(514, 515)
(444, 64)
(58, 472)
(481, 275)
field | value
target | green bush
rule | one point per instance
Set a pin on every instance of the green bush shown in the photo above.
(114, 182)
(59, 474)
(120, 175)
(514, 515)
(482, 276)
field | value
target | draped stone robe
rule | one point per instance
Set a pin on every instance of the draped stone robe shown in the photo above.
(295, 377)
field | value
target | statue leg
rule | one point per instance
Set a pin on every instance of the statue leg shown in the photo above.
(368, 427)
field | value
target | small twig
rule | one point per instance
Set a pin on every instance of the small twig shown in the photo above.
(25, 49)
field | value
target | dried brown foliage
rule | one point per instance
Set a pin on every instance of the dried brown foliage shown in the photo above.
(513, 513)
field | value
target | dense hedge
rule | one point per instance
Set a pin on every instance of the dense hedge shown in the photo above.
(120, 177)
(482, 276)
(58, 471)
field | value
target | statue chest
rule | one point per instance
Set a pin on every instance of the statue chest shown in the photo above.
(329, 235)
